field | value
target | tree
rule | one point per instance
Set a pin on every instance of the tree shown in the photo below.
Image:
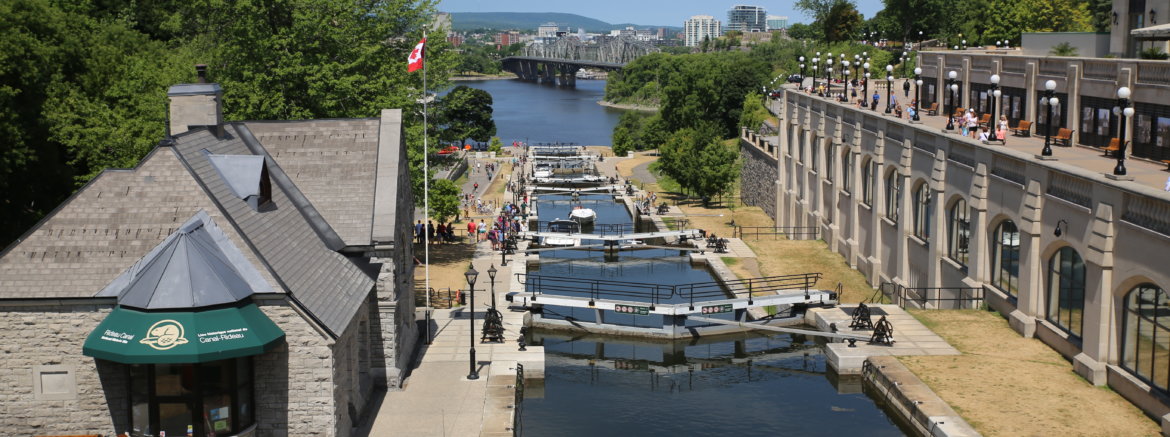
(754, 113)
(464, 113)
(804, 31)
(444, 200)
(707, 90)
(699, 162)
(495, 145)
(842, 23)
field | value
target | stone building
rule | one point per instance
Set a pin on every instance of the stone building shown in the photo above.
(246, 278)
(1070, 256)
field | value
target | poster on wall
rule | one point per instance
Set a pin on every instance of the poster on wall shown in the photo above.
(1103, 122)
(1163, 136)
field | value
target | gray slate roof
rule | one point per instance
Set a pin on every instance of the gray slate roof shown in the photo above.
(197, 266)
(120, 216)
(108, 225)
(333, 163)
(288, 233)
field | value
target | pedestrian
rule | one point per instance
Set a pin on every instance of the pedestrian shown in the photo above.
(1001, 134)
(893, 101)
(972, 123)
(419, 231)
(481, 228)
(476, 187)
(1167, 188)
(963, 124)
(441, 231)
(471, 231)
(906, 87)
(877, 97)
(430, 231)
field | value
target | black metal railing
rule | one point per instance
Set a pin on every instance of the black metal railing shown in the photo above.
(942, 298)
(603, 229)
(518, 410)
(777, 232)
(655, 294)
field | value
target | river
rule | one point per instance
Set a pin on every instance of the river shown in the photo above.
(526, 111)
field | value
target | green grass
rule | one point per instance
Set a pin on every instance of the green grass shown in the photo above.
(730, 261)
(665, 183)
(671, 223)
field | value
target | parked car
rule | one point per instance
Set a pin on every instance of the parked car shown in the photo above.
(795, 78)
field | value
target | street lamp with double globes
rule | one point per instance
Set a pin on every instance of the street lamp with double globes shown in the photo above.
(952, 87)
(865, 89)
(845, 80)
(829, 75)
(471, 276)
(1126, 111)
(917, 91)
(802, 71)
(995, 93)
(816, 69)
(889, 88)
(1048, 101)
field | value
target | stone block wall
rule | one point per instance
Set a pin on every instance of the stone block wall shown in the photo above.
(53, 335)
(757, 177)
(294, 382)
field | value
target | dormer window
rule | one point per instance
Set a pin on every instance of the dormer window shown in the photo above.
(245, 175)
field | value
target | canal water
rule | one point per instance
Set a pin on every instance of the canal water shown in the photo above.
(745, 384)
(526, 111)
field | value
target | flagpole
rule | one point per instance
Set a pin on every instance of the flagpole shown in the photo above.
(426, 191)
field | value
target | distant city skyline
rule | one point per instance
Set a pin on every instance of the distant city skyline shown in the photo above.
(643, 12)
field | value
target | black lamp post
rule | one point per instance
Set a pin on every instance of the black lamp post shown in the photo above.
(829, 75)
(865, 90)
(815, 68)
(845, 80)
(1126, 111)
(994, 94)
(1048, 101)
(951, 87)
(802, 71)
(889, 88)
(917, 91)
(471, 275)
(492, 275)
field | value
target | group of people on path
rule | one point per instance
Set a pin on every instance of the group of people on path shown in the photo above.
(444, 233)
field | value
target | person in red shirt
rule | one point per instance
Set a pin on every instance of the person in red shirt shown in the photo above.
(471, 231)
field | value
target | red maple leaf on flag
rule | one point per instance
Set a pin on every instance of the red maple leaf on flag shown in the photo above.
(415, 61)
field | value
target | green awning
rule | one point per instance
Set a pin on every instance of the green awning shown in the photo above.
(140, 337)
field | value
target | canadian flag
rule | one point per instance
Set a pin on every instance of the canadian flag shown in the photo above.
(415, 61)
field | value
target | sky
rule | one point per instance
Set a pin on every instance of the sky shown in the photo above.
(644, 12)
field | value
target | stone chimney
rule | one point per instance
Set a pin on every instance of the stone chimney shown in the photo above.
(196, 104)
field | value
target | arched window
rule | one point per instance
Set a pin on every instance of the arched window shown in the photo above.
(923, 211)
(812, 150)
(800, 147)
(847, 171)
(959, 234)
(868, 174)
(829, 160)
(1146, 335)
(1066, 290)
(1005, 258)
(893, 196)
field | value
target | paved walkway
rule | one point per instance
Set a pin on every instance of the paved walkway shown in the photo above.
(911, 337)
(1149, 174)
(437, 399)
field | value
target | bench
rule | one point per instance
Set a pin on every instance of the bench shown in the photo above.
(1064, 137)
(984, 120)
(1023, 129)
(1114, 146)
(933, 109)
(1167, 162)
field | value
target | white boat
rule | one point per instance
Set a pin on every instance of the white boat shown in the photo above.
(583, 215)
(542, 171)
(566, 226)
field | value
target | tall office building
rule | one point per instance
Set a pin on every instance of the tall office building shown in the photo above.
(776, 22)
(699, 27)
(746, 18)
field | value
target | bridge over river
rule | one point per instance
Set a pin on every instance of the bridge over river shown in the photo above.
(558, 62)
